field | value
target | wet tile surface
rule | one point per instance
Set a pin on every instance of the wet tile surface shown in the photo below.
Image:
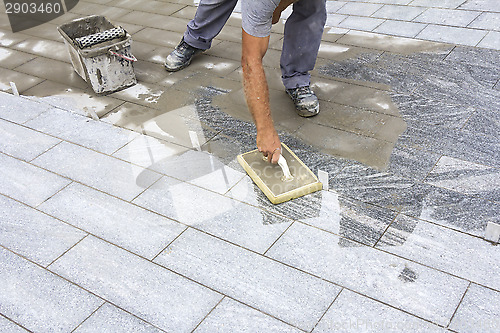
(34, 235)
(425, 112)
(231, 316)
(23, 143)
(80, 101)
(102, 172)
(444, 249)
(28, 183)
(109, 318)
(157, 295)
(392, 280)
(113, 220)
(23, 81)
(47, 302)
(250, 278)
(352, 312)
(478, 312)
(220, 216)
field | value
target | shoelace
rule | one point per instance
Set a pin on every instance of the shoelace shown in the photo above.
(302, 92)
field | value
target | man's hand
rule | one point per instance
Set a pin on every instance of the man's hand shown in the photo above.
(257, 95)
(281, 7)
(269, 144)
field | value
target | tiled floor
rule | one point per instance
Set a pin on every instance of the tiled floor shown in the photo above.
(143, 221)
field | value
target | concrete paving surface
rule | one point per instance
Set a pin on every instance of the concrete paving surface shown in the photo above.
(143, 221)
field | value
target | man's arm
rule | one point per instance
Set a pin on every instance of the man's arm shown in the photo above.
(257, 94)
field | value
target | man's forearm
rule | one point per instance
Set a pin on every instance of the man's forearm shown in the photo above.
(257, 94)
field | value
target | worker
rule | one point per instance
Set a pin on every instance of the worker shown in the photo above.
(302, 38)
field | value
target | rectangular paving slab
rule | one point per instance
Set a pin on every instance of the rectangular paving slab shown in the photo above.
(283, 292)
(110, 318)
(155, 294)
(116, 221)
(220, 216)
(353, 312)
(81, 130)
(454, 252)
(26, 182)
(479, 311)
(19, 109)
(10, 327)
(23, 143)
(422, 291)
(34, 235)
(40, 300)
(231, 316)
(100, 171)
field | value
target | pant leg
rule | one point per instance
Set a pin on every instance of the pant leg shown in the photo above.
(210, 18)
(303, 32)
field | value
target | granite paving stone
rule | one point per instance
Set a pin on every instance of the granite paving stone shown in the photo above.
(79, 101)
(486, 5)
(81, 130)
(432, 112)
(458, 211)
(113, 220)
(463, 145)
(231, 316)
(448, 34)
(199, 168)
(360, 22)
(8, 326)
(363, 9)
(45, 48)
(149, 152)
(452, 17)
(491, 40)
(39, 300)
(19, 109)
(479, 311)
(466, 177)
(406, 285)
(220, 216)
(396, 12)
(53, 70)
(450, 251)
(23, 81)
(28, 183)
(34, 235)
(442, 4)
(490, 21)
(11, 58)
(404, 29)
(109, 318)
(100, 171)
(250, 278)
(326, 210)
(353, 312)
(485, 122)
(22, 142)
(159, 296)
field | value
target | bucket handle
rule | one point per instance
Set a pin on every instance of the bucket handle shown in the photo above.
(131, 58)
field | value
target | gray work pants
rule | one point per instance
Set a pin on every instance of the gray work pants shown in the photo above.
(303, 31)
